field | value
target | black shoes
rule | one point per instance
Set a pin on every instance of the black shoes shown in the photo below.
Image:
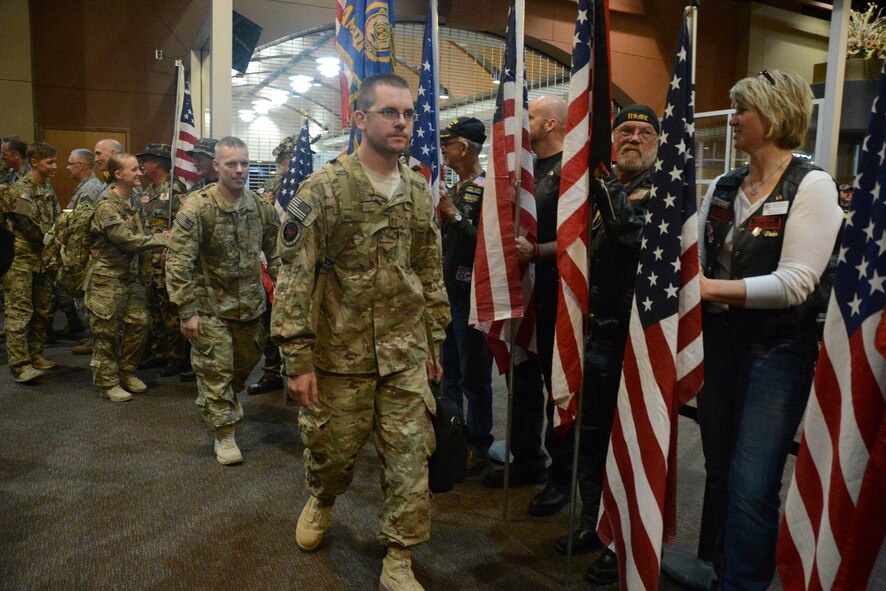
(173, 367)
(496, 478)
(187, 374)
(604, 568)
(268, 383)
(551, 499)
(152, 362)
(583, 542)
(476, 463)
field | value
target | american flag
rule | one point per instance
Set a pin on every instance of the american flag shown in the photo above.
(343, 84)
(425, 149)
(584, 148)
(501, 289)
(364, 38)
(833, 526)
(663, 356)
(300, 167)
(187, 137)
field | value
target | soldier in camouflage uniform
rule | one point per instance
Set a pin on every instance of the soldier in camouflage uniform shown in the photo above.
(271, 378)
(29, 208)
(203, 155)
(162, 195)
(213, 273)
(14, 153)
(115, 297)
(89, 188)
(357, 354)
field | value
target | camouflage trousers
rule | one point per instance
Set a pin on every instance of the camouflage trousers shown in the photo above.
(119, 324)
(223, 357)
(166, 336)
(28, 301)
(394, 410)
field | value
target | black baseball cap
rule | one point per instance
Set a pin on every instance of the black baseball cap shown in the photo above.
(469, 128)
(637, 113)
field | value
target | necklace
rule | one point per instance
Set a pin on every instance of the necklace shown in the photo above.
(755, 186)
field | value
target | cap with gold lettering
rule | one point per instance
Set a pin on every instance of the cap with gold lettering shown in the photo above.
(637, 113)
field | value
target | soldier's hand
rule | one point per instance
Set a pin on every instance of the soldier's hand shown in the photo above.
(435, 371)
(525, 250)
(190, 327)
(303, 390)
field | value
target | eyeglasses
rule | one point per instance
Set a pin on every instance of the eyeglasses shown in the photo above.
(392, 114)
(626, 132)
(74, 163)
(767, 75)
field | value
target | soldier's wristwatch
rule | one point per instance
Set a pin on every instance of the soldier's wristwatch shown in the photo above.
(457, 217)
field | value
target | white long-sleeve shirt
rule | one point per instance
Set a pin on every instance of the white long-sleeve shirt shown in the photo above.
(809, 236)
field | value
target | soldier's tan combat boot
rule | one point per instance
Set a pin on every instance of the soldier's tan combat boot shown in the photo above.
(27, 374)
(396, 572)
(312, 524)
(116, 394)
(226, 450)
(131, 382)
(41, 362)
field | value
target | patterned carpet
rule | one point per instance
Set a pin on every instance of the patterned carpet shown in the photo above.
(99, 495)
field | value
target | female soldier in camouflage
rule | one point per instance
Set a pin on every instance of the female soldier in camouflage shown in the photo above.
(114, 293)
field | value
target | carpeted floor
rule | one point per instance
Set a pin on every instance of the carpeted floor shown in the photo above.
(100, 495)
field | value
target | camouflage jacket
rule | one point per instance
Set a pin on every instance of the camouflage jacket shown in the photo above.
(157, 200)
(386, 278)
(88, 191)
(200, 185)
(213, 267)
(31, 210)
(118, 235)
(10, 176)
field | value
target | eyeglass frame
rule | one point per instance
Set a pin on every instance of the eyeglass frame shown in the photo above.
(765, 73)
(646, 134)
(388, 113)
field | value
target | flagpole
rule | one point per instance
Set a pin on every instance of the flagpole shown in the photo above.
(435, 44)
(692, 24)
(179, 94)
(519, 12)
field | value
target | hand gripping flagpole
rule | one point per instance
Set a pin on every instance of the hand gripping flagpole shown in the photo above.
(519, 15)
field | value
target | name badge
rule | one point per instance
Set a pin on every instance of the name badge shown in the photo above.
(776, 208)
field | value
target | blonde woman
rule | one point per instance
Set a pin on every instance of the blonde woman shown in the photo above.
(115, 297)
(768, 230)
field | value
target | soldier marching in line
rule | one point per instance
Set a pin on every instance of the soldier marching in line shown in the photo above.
(115, 296)
(356, 346)
(213, 274)
(31, 209)
(162, 199)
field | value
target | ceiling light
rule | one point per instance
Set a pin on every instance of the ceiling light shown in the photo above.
(247, 115)
(253, 67)
(261, 107)
(301, 83)
(277, 96)
(496, 82)
(444, 97)
(328, 66)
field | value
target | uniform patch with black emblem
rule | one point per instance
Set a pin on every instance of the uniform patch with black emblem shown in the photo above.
(111, 220)
(298, 209)
(290, 232)
(184, 221)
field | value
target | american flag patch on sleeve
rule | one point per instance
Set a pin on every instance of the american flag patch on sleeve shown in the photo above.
(184, 221)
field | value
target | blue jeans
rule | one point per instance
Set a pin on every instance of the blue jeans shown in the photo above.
(467, 373)
(754, 397)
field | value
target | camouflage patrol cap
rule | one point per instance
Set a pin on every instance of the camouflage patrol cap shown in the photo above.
(286, 148)
(157, 151)
(205, 145)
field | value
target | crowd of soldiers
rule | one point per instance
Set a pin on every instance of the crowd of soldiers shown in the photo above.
(361, 289)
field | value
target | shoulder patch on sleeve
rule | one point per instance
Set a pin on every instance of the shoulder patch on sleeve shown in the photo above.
(290, 232)
(184, 221)
(298, 209)
(111, 220)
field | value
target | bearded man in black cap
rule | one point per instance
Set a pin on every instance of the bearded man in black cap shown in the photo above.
(616, 236)
(467, 360)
